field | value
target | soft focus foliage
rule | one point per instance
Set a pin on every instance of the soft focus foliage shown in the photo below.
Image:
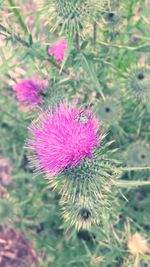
(74, 98)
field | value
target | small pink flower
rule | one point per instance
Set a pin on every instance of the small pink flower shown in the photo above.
(62, 138)
(58, 50)
(29, 91)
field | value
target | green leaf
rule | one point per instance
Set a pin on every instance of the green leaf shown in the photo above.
(30, 39)
(18, 16)
(84, 45)
(90, 69)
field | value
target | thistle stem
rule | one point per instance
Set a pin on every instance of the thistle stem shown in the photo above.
(136, 263)
(135, 168)
(14, 36)
(94, 33)
(141, 48)
(130, 184)
(78, 41)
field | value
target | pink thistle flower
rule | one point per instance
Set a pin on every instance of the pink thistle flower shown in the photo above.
(58, 50)
(29, 91)
(63, 137)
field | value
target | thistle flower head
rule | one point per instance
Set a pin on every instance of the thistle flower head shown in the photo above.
(66, 144)
(137, 244)
(58, 50)
(28, 91)
(63, 137)
(137, 81)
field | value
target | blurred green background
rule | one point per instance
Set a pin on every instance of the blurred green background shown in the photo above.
(101, 68)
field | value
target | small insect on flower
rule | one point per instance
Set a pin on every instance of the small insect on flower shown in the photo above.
(29, 91)
(62, 138)
(81, 117)
(58, 50)
(85, 114)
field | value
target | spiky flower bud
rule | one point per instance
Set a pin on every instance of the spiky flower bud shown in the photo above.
(109, 111)
(112, 16)
(137, 81)
(87, 190)
(71, 14)
(138, 154)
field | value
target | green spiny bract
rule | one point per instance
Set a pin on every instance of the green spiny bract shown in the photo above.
(56, 93)
(138, 81)
(71, 14)
(88, 195)
(82, 213)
